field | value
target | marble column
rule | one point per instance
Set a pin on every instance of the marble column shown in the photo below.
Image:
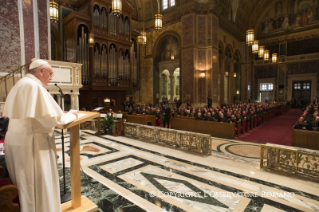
(72, 101)
(231, 83)
(221, 82)
(58, 96)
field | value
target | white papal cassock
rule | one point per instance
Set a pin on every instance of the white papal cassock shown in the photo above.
(30, 145)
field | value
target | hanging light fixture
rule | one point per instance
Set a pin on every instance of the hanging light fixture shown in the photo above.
(266, 55)
(140, 39)
(158, 22)
(250, 37)
(91, 39)
(143, 34)
(261, 50)
(274, 58)
(54, 11)
(254, 47)
(117, 7)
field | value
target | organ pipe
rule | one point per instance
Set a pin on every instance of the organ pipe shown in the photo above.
(82, 55)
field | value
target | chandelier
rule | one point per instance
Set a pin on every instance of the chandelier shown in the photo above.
(274, 58)
(250, 37)
(254, 47)
(54, 11)
(117, 7)
(266, 55)
(158, 22)
(261, 50)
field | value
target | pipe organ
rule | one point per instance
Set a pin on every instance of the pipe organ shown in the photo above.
(104, 62)
(83, 55)
(111, 62)
(113, 24)
(104, 19)
(97, 61)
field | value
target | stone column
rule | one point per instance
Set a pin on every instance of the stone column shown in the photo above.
(76, 102)
(172, 87)
(72, 101)
(231, 83)
(221, 82)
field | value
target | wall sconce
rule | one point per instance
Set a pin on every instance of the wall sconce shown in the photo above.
(226, 74)
(202, 74)
(237, 92)
(235, 75)
(107, 100)
(91, 39)
(172, 56)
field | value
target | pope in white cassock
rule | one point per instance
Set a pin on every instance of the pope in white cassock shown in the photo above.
(30, 150)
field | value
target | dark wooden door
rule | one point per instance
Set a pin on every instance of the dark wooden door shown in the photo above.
(301, 91)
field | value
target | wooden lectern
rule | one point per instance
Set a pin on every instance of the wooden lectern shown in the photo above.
(78, 202)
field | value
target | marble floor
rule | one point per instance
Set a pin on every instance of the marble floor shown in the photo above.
(123, 174)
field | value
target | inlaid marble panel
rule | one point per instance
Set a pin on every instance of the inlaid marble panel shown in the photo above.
(215, 72)
(146, 79)
(28, 25)
(201, 30)
(121, 165)
(10, 48)
(209, 30)
(43, 29)
(188, 74)
(188, 30)
(215, 28)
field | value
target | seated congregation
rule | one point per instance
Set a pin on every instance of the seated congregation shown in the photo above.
(309, 120)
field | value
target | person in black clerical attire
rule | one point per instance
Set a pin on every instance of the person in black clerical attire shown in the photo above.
(129, 111)
(315, 124)
(209, 102)
(167, 115)
(301, 125)
(199, 116)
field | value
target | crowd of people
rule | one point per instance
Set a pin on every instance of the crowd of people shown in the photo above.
(309, 119)
(226, 113)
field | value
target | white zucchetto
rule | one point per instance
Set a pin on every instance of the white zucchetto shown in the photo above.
(37, 63)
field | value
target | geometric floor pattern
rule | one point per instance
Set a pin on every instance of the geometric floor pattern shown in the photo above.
(123, 174)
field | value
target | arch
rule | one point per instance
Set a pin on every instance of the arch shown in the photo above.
(237, 56)
(229, 53)
(114, 46)
(96, 15)
(161, 38)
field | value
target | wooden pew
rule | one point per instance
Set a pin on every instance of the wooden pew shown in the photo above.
(305, 139)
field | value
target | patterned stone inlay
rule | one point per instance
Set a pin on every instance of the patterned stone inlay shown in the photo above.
(120, 165)
(92, 149)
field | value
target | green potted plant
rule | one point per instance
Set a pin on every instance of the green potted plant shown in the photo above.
(108, 123)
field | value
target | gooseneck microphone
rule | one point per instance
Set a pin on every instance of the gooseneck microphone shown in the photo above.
(60, 90)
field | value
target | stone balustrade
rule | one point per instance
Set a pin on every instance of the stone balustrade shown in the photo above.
(293, 160)
(195, 142)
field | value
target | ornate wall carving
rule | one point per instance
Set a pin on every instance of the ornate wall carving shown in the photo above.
(188, 30)
(188, 74)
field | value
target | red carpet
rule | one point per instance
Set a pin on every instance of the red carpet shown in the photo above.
(277, 130)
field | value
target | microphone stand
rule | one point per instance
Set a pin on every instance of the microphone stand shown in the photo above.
(66, 196)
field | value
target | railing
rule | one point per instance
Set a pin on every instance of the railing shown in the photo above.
(8, 81)
(292, 160)
(196, 142)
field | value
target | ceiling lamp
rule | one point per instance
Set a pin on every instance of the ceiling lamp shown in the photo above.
(54, 11)
(250, 37)
(158, 22)
(274, 58)
(140, 39)
(91, 39)
(266, 55)
(255, 47)
(261, 50)
(117, 7)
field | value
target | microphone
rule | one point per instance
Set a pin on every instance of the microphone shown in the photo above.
(60, 90)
